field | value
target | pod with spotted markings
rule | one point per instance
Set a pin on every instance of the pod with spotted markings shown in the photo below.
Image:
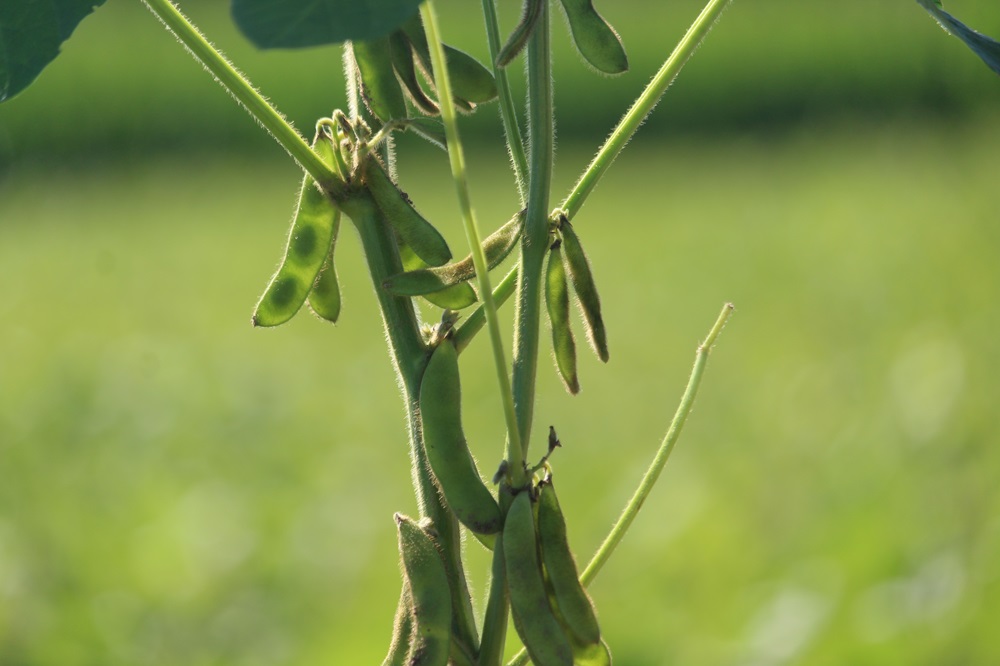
(309, 244)
(447, 449)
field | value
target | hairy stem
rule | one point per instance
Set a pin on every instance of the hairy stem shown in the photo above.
(511, 128)
(409, 357)
(247, 95)
(535, 241)
(457, 159)
(643, 106)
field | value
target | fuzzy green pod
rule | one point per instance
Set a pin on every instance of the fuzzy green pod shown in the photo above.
(586, 291)
(471, 82)
(402, 629)
(497, 246)
(536, 624)
(574, 605)
(380, 89)
(324, 299)
(447, 450)
(595, 39)
(455, 297)
(530, 13)
(426, 241)
(309, 244)
(424, 572)
(557, 304)
(402, 61)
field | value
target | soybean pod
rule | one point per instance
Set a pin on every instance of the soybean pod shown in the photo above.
(575, 607)
(425, 574)
(586, 291)
(530, 12)
(426, 241)
(402, 61)
(594, 37)
(471, 82)
(324, 299)
(536, 624)
(402, 629)
(380, 89)
(557, 304)
(456, 297)
(497, 246)
(447, 449)
(309, 243)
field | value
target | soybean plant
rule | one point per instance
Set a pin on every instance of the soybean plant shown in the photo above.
(399, 77)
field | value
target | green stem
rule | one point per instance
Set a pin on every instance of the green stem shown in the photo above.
(409, 358)
(535, 241)
(659, 461)
(245, 94)
(511, 128)
(457, 159)
(643, 106)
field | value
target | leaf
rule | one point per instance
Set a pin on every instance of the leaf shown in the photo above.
(985, 47)
(31, 32)
(292, 24)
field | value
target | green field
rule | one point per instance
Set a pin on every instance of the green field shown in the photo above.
(179, 488)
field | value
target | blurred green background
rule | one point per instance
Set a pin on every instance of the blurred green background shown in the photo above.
(178, 488)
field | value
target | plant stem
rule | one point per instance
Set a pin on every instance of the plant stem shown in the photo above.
(457, 159)
(659, 461)
(643, 106)
(245, 94)
(511, 128)
(409, 358)
(535, 241)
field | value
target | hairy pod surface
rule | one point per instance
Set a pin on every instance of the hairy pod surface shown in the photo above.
(324, 299)
(557, 303)
(530, 12)
(430, 591)
(586, 291)
(497, 246)
(536, 624)
(575, 606)
(380, 89)
(402, 628)
(426, 241)
(310, 242)
(456, 297)
(402, 61)
(447, 449)
(471, 82)
(595, 39)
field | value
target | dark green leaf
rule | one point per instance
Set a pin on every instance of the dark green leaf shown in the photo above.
(985, 47)
(31, 32)
(292, 24)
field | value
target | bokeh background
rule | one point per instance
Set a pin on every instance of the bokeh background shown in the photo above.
(178, 488)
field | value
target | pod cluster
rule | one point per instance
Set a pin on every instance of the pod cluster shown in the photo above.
(566, 257)
(595, 39)
(553, 614)
(388, 71)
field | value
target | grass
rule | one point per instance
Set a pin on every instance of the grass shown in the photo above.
(180, 488)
